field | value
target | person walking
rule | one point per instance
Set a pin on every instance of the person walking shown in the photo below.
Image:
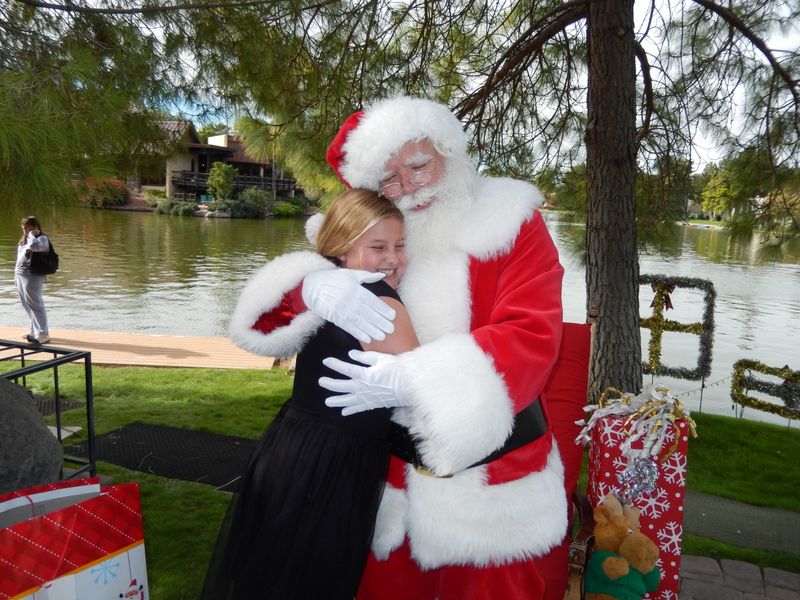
(30, 287)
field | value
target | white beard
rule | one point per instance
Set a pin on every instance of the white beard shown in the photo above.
(435, 286)
(433, 228)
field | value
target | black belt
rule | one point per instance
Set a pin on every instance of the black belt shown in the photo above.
(529, 424)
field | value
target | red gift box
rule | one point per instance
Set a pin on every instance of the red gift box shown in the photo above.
(72, 539)
(661, 509)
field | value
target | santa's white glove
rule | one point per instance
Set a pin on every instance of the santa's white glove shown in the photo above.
(375, 386)
(336, 295)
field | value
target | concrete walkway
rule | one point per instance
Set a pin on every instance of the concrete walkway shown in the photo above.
(742, 524)
(705, 578)
(702, 578)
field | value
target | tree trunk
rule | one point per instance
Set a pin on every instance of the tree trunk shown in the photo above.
(612, 268)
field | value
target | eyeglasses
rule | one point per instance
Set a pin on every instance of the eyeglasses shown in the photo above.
(418, 178)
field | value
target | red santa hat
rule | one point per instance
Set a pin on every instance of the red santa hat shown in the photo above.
(369, 138)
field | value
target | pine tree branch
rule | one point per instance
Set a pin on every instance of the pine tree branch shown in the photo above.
(144, 10)
(735, 22)
(519, 52)
(649, 104)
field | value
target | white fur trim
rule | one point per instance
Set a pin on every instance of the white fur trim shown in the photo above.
(263, 293)
(462, 520)
(436, 294)
(458, 420)
(390, 523)
(386, 126)
(491, 224)
(313, 223)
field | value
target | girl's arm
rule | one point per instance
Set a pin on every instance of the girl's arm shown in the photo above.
(38, 243)
(402, 339)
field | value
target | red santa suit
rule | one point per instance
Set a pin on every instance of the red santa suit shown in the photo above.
(485, 300)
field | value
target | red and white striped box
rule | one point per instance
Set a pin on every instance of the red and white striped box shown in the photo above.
(73, 539)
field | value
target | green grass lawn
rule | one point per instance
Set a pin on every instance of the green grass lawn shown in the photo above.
(709, 222)
(742, 460)
(750, 462)
(181, 518)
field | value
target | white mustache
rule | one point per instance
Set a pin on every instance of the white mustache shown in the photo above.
(418, 198)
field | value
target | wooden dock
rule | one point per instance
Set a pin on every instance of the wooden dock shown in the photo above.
(150, 350)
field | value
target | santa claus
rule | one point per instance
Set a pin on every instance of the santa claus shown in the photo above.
(475, 491)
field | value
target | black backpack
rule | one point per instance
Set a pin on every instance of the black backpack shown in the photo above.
(43, 263)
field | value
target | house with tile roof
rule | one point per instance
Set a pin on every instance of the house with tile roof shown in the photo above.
(183, 174)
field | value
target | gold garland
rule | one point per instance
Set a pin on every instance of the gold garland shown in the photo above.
(658, 324)
(672, 410)
(645, 418)
(622, 397)
(789, 390)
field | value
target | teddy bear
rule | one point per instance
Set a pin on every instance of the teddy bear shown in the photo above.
(622, 565)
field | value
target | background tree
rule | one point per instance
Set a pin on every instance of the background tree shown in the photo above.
(569, 190)
(533, 81)
(749, 190)
(699, 181)
(537, 83)
(79, 97)
(717, 196)
(220, 180)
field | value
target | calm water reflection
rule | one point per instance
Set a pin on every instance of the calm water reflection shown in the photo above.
(148, 273)
(151, 273)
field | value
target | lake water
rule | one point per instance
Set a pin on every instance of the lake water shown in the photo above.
(147, 273)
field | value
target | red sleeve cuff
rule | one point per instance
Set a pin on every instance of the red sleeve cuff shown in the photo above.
(295, 297)
(291, 305)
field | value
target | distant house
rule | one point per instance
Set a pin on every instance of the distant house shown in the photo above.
(238, 157)
(694, 209)
(184, 174)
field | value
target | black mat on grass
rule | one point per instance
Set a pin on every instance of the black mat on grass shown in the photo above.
(199, 456)
(47, 406)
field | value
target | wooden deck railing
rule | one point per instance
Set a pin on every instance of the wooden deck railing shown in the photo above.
(198, 182)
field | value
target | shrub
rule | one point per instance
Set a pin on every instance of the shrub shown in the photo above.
(165, 206)
(240, 210)
(220, 180)
(153, 197)
(218, 206)
(252, 203)
(183, 209)
(287, 210)
(100, 193)
(170, 206)
(300, 201)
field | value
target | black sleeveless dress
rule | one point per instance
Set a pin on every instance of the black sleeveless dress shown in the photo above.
(303, 523)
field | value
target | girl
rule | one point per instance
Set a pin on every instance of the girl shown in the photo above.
(303, 525)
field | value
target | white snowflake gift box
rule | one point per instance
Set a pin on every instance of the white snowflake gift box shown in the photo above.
(638, 450)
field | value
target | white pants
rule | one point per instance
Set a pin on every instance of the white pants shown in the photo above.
(30, 289)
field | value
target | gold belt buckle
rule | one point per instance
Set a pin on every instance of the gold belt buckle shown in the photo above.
(424, 470)
(428, 473)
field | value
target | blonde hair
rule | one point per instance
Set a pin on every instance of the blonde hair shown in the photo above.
(351, 214)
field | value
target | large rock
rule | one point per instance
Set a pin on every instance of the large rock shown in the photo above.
(29, 453)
